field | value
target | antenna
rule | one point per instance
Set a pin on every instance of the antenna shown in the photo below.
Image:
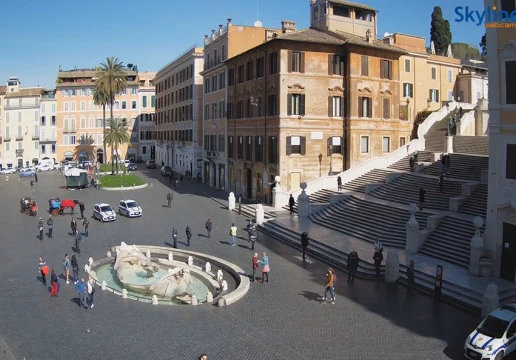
(257, 12)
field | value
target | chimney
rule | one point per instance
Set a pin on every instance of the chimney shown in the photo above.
(369, 36)
(229, 21)
(288, 26)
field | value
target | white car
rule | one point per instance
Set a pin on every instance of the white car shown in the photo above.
(127, 163)
(8, 171)
(129, 208)
(104, 212)
(45, 167)
(495, 337)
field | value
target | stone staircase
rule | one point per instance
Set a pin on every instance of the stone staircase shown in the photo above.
(404, 164)
(405, 190)
(373, 176)
(462, 166)
(451, 241)
(368, 221)
(321, 196)
(476, 204)
(250, 212)
(478, 145)
(436, 136)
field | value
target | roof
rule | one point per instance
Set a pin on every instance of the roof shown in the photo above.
(357, 40)
(3, 90)
(25, 92)
(312, 36)
(85, 73)
(474, 64)
(352, 4)
(504, 314)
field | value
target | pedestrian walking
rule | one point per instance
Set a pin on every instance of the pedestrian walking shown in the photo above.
(209, 226)
(377, 258)
(304, 243)
(174, 237)
(410, 278)
(233, 234)
(36, 177)
(442, 164)
(352, 265)
(73, 226)
(75, 269)
(32, 184)
(265, 267)
(339, 183)
(329, 285)
(78, 238)
(170, 197)
(50, 224)
(81, 209)
(253, 237)
(67, 266)
(91, 291)
(291, 203)
(81, 288)
(421, 198)
(441, 182)
(85, 226)
(188, 232)
(255, 266)
(43, 269)
(40, 228)
(412, 163)
(447, 164)
(54, 283)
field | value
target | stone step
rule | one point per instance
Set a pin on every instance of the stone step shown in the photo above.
(466, 167)
(321, 196)
(476, 204)
(404, 164)
(371, 177)
(249, 212)
(471, 145)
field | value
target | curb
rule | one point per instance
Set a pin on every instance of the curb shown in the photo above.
(125, 188)
(5, 351)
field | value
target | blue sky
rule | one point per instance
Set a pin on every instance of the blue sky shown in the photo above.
(46, 34)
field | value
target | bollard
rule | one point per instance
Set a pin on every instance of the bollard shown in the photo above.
(207, 267)
(108, 254)
(221, 302)
(86, 268)
(104, 285)
(209, 297)
(148, 254)
(219, 275)
(124, 294)
(194, 300)
(170, 256)
(190, 261)
(224, 285)
(154, 300)
(90, 261)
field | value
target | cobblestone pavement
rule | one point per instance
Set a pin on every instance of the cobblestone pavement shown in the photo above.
(279, 320)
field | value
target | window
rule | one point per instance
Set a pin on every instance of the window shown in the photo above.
(53, 123)
(386, 69)
(249, 148)
(214, 83)
(407, 65)
(214, 110)
(7, 118)
(134, 91)
(229, 110)
(91, 123)
(153, 101)
(510, 84)
(273, 63)
(206, 86)
(335, 106)
(434, 95)
(43, 149)
(340, 11)
(364, 66)
(36, 145)
(335, 145)
(434, 73)
(386, 144)
(222, 143)
(315, 13)
(7, 148)
(53, 108)
(231, 77)
(450, 95)
(133, 104)
(272, 148)
(402, 141)
(230, 147)
(296, 62)
(408, 90)
(241, 74)
(83, 123)
(258, 149)
(365, 107)
(364, 144)
(296, 104)
(72, 106)
(100, 138)
(72, 140)
(144, 101)
(248, 108)
(336, 65)
(240, 147)
(510, 169)
(222, 80)
(272, 105)
(43, 122)
(83, 105)
(509, 6)
(260, 67)
(386, 107)
(239, 109)
(296, 145)
(259, 107)
(249, 71)
(206, 112)
(450, 75)
(223, 52)
(221, 109)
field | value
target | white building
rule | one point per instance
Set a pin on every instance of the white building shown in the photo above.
(48, 126)
(472, 81)
(146, 126)
(3, 90)
(179, 113)
(21, 125)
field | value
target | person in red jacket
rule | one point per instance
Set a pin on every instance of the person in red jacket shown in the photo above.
(255, 266)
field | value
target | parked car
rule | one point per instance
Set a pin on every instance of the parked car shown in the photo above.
(150, 164)
(139, 159)
(495, 337)
(132, 167)
(46, 167)
(129, 208)
(27, 172)
(104, 212)
(8, 171)
(166, 171)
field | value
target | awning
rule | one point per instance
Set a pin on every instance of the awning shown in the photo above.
(68, 153)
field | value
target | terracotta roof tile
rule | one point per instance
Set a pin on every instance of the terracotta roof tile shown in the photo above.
(311, 35)
(352, 39)
(352, 4)
(25, 92)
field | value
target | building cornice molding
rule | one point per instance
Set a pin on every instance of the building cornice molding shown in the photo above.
(442, 63)
(508, 49)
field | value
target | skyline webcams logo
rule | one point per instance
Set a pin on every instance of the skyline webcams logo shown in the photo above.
(490, 18)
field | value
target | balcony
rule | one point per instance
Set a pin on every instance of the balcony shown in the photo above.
(19, 152)
(211, 154)
(19, 137)
(47, 140)
(7, 138)
(21, 106)
(70, 129)
(35, 136)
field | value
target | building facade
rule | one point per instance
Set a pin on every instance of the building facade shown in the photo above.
(145, 122)
(472, 81)
(179, 113)
(21, 125)
(500, 236)
(3, 90)
(312, 102)
(225, 42)
(48, 126)
(80, 122)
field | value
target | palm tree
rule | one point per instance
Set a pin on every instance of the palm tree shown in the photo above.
(117, 134)
(100, 98)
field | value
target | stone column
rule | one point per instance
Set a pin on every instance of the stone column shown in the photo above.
(392, 267)
(412, 231)
(491, 299)
(481, 117)
(476, 248)
(303, 202)
(231, 201)
(259, 214)
(448, 148)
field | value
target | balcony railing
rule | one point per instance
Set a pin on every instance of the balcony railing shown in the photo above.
(7, 138)
(47, 140)
(19, 137)
(19, 152)
(35, 136)
(22, 106)
(215, 35)
(69, 129)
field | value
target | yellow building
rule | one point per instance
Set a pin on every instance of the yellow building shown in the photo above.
(500, 236)
(79, 121)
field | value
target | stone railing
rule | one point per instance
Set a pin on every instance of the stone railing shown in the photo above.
(467, 121)
(435, 117)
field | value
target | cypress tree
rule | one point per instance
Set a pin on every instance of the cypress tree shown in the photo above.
(440, 32)
(483, 46)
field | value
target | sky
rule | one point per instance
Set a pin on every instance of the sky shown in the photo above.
(47, 34)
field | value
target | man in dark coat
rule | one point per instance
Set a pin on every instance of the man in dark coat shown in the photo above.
(421, 198)
(410, 278)
(40, 228)
(291, 203)
(81, 208)
(412, 163)
(174, 237)
(208, 227)
(188, 234)
(378, 258)
(50, 224)
(304, 243)
(352, 265)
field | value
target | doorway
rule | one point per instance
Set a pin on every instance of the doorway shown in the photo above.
(249, 178)
(20, 163)
(295, 180)
(508, 266)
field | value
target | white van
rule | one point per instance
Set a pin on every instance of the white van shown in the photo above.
(45, 164)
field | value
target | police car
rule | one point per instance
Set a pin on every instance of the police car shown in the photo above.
(129, 208)
(495, 337)
(104, 212)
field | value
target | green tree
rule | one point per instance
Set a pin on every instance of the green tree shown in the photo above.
(465, 52)
(483, 46)
(117, 133)
(101, 98)
(440, 32)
